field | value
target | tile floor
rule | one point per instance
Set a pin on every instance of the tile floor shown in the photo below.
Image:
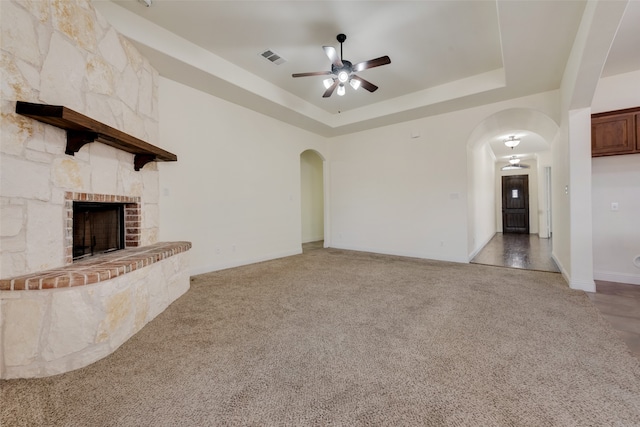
(526, 251)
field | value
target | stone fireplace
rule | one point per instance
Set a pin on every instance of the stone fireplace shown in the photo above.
(56, 313)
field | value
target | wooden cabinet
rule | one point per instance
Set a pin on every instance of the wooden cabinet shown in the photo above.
(615, 132)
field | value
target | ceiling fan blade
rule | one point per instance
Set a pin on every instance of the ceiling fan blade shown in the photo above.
(365, 84)
(327, 93)
(365, 65)
(315, 73)
(332, 53)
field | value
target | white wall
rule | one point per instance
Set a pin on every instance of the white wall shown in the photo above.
(544, 194)
(235, 190)
(408, 196)
(581, 223)
(616, 234)
(617, 92)
(482, 197)
(560, 217)
(312, 196)
(572, 218)
(394, 194)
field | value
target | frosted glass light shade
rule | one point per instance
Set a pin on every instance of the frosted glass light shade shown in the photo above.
(512, 142)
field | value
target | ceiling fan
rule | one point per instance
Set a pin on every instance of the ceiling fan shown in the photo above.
(343, 71)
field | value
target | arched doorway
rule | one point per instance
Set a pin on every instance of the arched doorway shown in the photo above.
(312, 197)
(489, 165)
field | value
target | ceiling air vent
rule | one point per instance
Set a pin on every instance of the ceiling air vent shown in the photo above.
(273, 57)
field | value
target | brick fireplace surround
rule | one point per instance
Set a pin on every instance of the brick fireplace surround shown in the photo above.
(132, 218)
(102, 267)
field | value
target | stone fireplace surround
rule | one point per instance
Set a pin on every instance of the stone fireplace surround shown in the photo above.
(56, 315)
(65, 318)
(97, 305)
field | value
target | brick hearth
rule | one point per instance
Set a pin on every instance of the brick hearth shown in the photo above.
(96, 269)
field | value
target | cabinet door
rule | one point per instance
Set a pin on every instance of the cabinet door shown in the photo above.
(613, 134)
(637, 132)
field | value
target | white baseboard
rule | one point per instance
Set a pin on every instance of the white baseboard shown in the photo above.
(408, 254)
(583, 285)
(481, 247)
(609, 276)
(563, 271)
(238, 263)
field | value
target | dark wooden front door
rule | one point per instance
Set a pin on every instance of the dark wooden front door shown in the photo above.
(515, 204)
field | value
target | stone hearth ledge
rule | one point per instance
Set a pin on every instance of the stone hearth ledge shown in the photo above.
(67, 318)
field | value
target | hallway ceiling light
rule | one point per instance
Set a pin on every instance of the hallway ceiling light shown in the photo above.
(514, 164)
(512, 142)
(513, 167)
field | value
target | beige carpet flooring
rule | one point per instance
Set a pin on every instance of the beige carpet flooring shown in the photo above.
(345, 338)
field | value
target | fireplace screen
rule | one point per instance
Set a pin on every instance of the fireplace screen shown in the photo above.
(97, 228)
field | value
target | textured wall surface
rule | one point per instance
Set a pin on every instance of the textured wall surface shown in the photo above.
(63, 52)
(51, 331)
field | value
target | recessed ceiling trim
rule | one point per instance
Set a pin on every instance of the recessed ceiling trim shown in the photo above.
(190, 64)
(152, 36)
(473, 85)
(148, 34)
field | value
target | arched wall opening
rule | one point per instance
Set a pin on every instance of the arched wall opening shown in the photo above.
(486, 154)
(312, 200)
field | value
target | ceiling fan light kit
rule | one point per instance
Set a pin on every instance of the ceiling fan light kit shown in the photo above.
(343, 71)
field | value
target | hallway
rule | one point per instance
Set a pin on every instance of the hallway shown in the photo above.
(525, 251)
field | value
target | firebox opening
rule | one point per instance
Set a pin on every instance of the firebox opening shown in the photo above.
(97, 228)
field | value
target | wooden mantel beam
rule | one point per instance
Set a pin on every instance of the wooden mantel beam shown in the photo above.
(82, 130)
